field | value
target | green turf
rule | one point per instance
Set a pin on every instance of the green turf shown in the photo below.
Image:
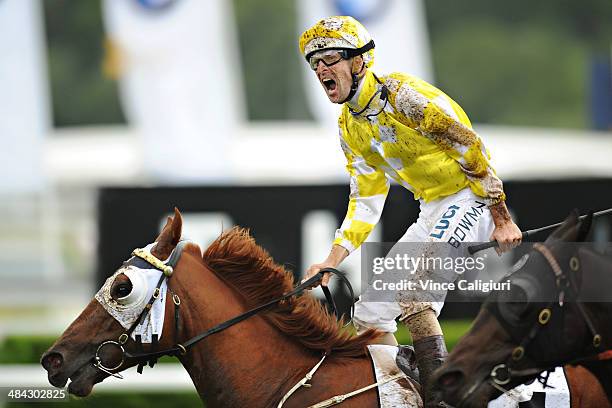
(453, 330)
(28, 349)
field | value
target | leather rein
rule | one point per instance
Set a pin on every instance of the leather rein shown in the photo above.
(179, 349)
(502, 374)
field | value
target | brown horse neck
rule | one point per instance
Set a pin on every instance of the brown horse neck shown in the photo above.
(249, 364)
(603, 372)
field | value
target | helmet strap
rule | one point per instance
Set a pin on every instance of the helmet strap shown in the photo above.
(354, 84)
(353, 90)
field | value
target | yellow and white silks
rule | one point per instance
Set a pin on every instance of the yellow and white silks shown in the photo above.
(421, 138)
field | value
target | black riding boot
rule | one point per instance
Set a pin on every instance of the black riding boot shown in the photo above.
(430, 354)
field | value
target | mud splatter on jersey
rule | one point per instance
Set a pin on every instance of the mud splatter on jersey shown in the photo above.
(421, 138)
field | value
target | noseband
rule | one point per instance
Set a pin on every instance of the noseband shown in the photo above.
(503, 374)
(167, 269)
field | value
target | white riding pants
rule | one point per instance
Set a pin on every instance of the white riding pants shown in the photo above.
(462, 217)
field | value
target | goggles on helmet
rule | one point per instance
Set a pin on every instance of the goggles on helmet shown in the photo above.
(332, 56)
(327, 57)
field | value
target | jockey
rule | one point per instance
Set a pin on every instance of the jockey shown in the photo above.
(402, 128)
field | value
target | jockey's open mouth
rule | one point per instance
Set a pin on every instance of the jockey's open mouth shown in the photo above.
(329, 84)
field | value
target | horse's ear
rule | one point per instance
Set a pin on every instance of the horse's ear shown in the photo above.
(585, 227)
(171, 233)
(566, 229)
(572, 229)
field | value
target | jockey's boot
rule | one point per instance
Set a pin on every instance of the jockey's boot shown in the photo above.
(430, 354)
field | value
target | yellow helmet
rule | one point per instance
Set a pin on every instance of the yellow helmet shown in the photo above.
(341, 33)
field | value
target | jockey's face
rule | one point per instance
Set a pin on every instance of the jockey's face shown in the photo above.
(336, 79)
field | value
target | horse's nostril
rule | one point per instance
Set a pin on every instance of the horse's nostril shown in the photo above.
(450, 379)
(52, 361)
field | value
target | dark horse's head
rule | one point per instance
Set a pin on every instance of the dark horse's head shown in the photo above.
(536, 325)
(72, 355)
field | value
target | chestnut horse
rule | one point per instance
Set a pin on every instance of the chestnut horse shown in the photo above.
(250, 364)
(555, 314)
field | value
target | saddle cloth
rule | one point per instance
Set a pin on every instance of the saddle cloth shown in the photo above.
(403, 393)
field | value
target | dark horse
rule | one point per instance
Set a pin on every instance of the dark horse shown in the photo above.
(555, 314)
(250, 364)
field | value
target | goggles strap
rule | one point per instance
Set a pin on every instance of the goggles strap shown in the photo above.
(353, 52)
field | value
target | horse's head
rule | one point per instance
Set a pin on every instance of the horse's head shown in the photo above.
(533, 326)
(92, 347)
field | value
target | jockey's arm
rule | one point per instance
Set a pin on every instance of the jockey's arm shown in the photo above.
(337, 254)
(368, 190)
(506, 233)
(463, 144)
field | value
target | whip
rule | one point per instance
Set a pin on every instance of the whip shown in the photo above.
(492, 244)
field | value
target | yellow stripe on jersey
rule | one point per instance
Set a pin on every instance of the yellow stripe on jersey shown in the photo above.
(354, 236)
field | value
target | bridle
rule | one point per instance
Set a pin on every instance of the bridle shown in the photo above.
(502, 374)
(167, 269)
(180, 349)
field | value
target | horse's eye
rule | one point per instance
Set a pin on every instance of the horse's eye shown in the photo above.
(518, 309)
(514, 304)
(122, 290)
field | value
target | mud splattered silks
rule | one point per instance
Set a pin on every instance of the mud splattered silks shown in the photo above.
(419, 138)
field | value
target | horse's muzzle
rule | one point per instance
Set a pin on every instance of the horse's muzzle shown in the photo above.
(53, 362)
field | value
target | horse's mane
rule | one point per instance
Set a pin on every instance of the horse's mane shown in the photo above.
(237, 259)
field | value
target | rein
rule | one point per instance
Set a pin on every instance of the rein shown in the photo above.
(167, 270)
(503, 374)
